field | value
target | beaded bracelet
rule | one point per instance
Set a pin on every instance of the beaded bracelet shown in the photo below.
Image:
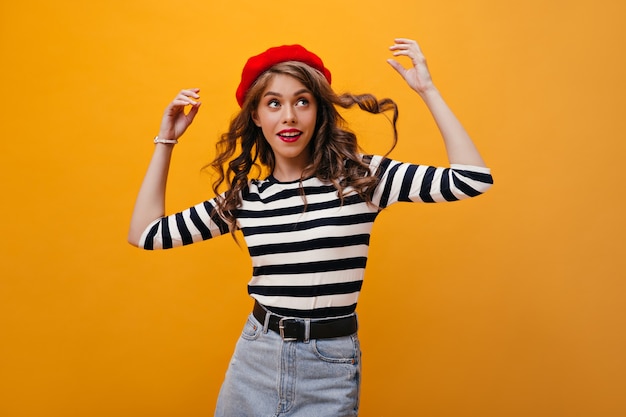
(167, 141)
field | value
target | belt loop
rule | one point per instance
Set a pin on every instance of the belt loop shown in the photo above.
(266, 322)
(307, 330)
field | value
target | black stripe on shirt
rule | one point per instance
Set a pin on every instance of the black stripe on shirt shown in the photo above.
(291, 192)
(426, 185)
(185, 235)
(407, 181)
(311, 267)
(476, 176)
(382, 167)
(298, 209)
(445, 190)
(330, 221)
(384, 199)
(306, 290)
(219, 222)
(197, 221)
(149, 243)
(465, 188)
(313, 244)
(166, 237)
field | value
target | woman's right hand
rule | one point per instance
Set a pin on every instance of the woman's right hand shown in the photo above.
(175, 121)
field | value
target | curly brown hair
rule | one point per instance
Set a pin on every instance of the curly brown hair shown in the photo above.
(335, 152)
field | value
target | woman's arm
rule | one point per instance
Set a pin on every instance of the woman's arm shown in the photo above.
(459, 145)
(150, 202)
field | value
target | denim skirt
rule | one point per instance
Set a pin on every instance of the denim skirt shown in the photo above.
(270, 377)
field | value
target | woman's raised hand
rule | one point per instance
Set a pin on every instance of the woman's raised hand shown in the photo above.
(175, 121)
(417, 77)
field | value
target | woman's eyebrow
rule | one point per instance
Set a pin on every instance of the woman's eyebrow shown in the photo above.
(297, 93)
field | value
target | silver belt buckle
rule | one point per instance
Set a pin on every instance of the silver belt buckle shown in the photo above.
(281, 329)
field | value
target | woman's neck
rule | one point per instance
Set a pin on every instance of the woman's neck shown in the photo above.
(292, 170)
(288, 174)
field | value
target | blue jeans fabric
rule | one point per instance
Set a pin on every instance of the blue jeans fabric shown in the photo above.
(269, 377)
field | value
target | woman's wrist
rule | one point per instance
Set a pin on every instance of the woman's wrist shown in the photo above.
(428, 92)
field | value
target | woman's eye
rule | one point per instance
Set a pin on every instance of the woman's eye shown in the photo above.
(303, 102)
(273, 104)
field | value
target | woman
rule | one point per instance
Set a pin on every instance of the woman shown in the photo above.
(307, 224)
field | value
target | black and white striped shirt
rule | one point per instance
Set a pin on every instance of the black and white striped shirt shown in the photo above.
(309, 256)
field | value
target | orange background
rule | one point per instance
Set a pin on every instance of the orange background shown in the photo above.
(511, 304)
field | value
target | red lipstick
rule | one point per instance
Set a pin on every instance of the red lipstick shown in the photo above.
(289, 135)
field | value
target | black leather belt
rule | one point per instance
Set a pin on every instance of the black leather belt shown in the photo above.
(295, 329)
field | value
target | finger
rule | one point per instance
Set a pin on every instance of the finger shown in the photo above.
(397, 66)
(408, 44)
(405, 41)
(187, 97)
(402, 52)
(192, 113)
(412, 55)
(191, 92)
(405, 51)
(398, 47)
(416, 56)
(183, 101)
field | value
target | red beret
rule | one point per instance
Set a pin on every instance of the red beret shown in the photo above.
(258, 64)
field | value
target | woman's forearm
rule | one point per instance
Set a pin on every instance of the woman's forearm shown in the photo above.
(459, 145)
(150, 202)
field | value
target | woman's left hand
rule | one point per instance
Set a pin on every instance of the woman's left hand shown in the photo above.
(418, 77)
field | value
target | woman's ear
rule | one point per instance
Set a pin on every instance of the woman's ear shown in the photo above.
(255, 119)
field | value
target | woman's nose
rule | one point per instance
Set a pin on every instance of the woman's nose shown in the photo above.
(289, 114)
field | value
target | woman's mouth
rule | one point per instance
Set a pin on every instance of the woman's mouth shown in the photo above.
(289, 135)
